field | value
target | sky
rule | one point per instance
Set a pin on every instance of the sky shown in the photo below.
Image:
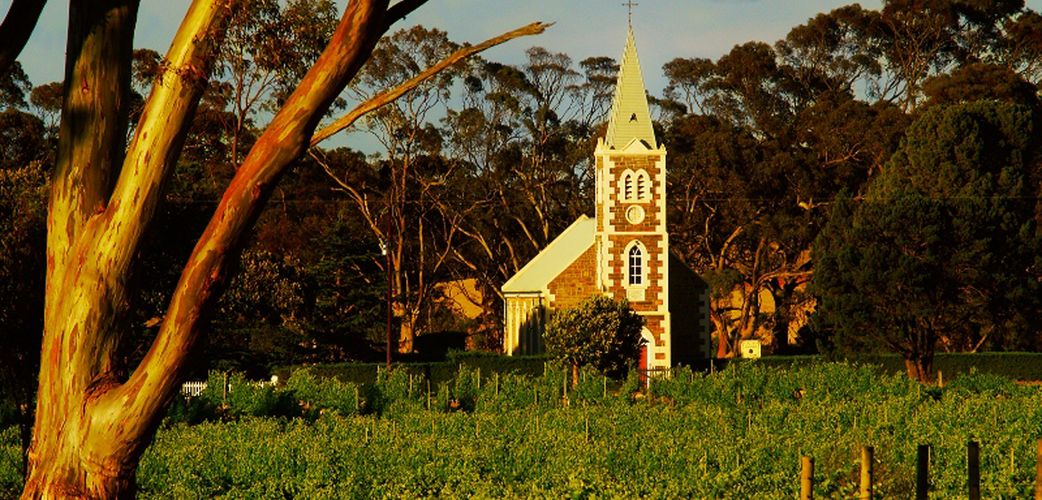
(664, 29)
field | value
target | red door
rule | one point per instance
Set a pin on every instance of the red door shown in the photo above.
(642, 366)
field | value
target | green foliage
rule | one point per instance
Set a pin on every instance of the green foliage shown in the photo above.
(324, 393)
(436, 372)
(10, 462)
(738, 433)
(944, 244)
(598, 332)
(690, 435)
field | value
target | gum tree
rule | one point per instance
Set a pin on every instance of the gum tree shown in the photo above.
(95, 416)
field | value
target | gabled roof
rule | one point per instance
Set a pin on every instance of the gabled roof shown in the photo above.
(630, 118)
(555, 258)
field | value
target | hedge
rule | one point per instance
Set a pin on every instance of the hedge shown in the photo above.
(1013, 365)
(435, 372)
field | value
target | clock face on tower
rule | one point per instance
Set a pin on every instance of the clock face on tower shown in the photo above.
(635, 214)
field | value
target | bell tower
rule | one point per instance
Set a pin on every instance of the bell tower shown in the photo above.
(630, 237)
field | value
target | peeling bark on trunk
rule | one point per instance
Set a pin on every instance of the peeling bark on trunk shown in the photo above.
(93, 423)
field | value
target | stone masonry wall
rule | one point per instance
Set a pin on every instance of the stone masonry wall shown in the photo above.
(577, 282)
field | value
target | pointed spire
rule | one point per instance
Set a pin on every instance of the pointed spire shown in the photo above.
(630, 118)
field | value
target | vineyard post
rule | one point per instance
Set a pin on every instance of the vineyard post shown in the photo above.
(922, 472)
(1038, 470)
(806, 478)
(940, 379)
(604, 389)
(357, 402)
(867, 453)
(479, 378)
(564, 386)
(428, 394)
(973, 469)
(497, 384)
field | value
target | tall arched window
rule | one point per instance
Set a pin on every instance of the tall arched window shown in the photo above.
(627, 186)
(643, 186)
(636, 267)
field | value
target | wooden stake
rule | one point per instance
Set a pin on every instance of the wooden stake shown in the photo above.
(867, 453)
(973, 469)
(806, 478)
(1038, 470)
(922, 472)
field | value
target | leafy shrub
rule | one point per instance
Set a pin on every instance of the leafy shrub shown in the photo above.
(599, 332)
(316, 394)
(10, 462)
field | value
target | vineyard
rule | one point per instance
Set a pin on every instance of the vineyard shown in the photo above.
(738, 433)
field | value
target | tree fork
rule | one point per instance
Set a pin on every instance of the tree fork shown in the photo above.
(84, 446)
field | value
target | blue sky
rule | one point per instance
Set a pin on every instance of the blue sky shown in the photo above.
(665, 29)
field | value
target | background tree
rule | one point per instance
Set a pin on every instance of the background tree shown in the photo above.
(522, 137)
(23, 195)
(598, 332)
(399, 197)
(943, 251)
(763, 139)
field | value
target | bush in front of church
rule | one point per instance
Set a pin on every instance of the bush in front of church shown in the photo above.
(598, 332)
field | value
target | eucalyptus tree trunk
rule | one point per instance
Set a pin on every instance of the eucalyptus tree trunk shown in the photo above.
(92, 420)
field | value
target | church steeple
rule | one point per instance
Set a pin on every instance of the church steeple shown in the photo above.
(630, 118)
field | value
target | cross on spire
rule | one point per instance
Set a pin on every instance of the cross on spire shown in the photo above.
(630, 4)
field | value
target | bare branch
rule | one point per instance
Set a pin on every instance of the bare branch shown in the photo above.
(398, 11)
(18, 25)
(389, 96)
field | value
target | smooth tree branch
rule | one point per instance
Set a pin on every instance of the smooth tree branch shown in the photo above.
(281, 143)
(16, 29)
(389, 96)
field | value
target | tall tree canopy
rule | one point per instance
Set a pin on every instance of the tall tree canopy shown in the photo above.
(763, 139)
(944, 249)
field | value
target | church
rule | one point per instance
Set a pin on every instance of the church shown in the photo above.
(623, 251)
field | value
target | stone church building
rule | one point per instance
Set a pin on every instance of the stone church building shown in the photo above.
(623, 251)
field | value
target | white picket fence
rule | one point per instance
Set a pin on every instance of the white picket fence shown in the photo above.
(194, 388)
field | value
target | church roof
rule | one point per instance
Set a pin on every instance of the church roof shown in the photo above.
(630, 118)
(555, 258)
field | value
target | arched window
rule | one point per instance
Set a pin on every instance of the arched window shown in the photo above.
(627, 186)
(636, 267)
(643, 186)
